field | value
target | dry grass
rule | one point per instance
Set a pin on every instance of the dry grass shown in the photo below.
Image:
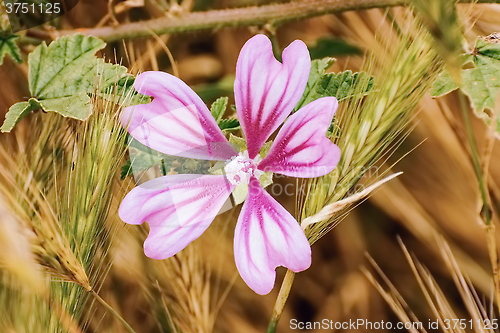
(60, 233)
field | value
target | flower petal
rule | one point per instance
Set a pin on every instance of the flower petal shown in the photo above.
(176, 122)
(178, 209)
(301, 148)
(267, 236)
(166, 241)
(265, 90)
(183, 198)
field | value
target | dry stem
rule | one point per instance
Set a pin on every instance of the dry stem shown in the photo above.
(274, 14)
(281, 301)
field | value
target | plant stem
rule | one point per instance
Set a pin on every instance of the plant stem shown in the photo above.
(275, 14)
(281, 301)
(486, 212)
(493, 253)
(112, 311)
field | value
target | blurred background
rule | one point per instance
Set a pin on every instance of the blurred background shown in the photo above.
(200, 290)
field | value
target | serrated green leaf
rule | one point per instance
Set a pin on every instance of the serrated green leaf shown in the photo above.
(227, 125)
(62, 75)
(77, 106)
(339, 85)
(342, 85)
(480, 83)
(218, 108)
(487, 49)
(68, 67)
(123, 92)
(17, 112)
(9, 46)
(65, 67)
(443, 85)
(318, 69)
(107, 74)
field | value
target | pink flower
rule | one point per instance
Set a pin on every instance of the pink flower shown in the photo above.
(179, 208)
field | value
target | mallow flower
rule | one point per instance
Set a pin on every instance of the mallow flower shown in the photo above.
(179, 208)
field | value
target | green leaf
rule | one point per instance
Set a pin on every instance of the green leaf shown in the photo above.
(334, 129)
(266, 179)
(107, 75)
(123, 92)
(318, 69)
(218, 108)
(66, 67)
(240, 192)
(333, 47)
(62, 76)
(77, 106)
(239, 144)
(341, 85)
(17, 112)
(480, 83)
(227, 125)
(141, 158)
(265, 149)
(9, 46)
(126, 170)
(443, 85)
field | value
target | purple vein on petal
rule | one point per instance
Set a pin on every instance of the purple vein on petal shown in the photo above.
(267, 236)
(178, 209)
(176, 122)
(301, 148)
(176, 200)
(265, 89)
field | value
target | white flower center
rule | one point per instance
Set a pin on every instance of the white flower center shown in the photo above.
(240, 168)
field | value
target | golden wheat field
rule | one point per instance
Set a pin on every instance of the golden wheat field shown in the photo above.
(401, 225)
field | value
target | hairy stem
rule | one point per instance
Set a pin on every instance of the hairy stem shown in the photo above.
(281, 301)
(486, 211)
(274, 14)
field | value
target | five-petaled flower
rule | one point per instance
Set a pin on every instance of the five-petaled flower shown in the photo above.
(179, 208)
